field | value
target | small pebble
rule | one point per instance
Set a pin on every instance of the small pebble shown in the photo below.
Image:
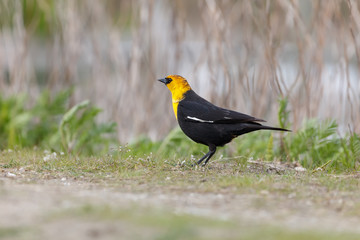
(9, 174)
(300, 169)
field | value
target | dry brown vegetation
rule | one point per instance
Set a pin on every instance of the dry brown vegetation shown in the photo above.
(238, 54)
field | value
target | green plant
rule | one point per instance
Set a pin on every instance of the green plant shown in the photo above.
(283, 113)
(314, 144)
(80, 133)
(318, 144)
(24, 126)
(179, 144)
(45, 117)
(349, 156)
(13, 118)
(255, 145)
(143, 146)
(48, 124)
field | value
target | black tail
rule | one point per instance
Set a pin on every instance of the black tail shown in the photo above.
(272, 128)
(251, 127)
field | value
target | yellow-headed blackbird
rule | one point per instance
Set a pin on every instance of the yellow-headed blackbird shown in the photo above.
(204, 122)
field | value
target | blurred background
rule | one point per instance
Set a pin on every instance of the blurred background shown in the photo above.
(243, 55)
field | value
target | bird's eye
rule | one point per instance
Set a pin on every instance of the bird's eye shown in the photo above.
(168, 80)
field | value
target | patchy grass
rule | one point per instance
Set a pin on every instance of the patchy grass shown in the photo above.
(154, 172)
(227, 199)
(159, 172)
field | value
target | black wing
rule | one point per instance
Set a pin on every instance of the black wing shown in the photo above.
(204, 111)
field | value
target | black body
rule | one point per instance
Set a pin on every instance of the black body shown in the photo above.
(213, 126)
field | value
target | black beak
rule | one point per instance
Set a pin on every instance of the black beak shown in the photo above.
(163, 80)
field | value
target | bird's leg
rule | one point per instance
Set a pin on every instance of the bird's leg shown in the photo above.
(212, 150)
(202, 159)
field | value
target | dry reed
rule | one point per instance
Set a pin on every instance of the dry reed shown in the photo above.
(238, 54)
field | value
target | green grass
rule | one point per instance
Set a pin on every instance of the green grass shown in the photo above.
(157, 171)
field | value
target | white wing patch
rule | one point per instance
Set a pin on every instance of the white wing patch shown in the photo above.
(199, 120)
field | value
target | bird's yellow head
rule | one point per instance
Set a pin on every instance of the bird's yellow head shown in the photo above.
(178, 86)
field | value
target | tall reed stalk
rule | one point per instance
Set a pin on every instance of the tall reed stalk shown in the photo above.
(238, 54)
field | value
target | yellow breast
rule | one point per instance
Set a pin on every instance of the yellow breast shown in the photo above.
(175, 104)
(177, 96)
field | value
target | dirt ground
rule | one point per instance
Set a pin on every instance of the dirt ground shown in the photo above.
(29, 207)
